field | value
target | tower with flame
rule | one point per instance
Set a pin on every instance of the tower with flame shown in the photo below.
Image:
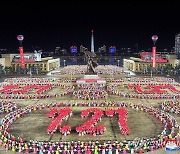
(92, 41)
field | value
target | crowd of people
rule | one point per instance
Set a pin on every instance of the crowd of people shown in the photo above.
(150, 88)
(7, 106)
(157, 92)
(18, 89)
(144, 81)
(96, 95)
(153, 89)
(33, 81)
(91, 91)
(89, 127)
(33, 90)
(17, 144)
(171, 106)
(109, 69)
(122, 118)
(59, 115)
(72, 70)
(82, 69)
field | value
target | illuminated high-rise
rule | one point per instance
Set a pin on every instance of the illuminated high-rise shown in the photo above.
(177, 44)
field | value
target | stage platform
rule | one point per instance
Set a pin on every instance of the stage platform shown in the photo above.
(91, 79)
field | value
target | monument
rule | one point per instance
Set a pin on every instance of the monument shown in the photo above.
(91, 59)
(91, 62)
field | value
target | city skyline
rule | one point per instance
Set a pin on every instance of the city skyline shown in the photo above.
(71, 24)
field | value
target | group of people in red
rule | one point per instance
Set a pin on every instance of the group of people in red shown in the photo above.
(89, 127)
(33, 90)
(154, 91)
(58, 115)
(153, 88)
(122, 118)
(18, 89)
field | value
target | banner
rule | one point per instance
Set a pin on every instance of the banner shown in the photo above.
(154, 56)
(22, 57)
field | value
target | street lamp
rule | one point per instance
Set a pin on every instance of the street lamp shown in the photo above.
(118, 62)
(30, 72)
(154, 39)
(64, 62)
(21, 50)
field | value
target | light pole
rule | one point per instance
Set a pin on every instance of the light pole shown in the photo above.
(30, 72)
(118, 62)
(71, 76)
(21, 50)
(154, 39)
(64, 62)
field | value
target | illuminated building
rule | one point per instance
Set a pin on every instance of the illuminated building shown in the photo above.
(177, 44)
(144, 63)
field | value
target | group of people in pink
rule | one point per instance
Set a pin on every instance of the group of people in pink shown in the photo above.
(17, 144)
(91, 91)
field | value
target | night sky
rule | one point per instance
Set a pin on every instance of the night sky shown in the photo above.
(70, 23)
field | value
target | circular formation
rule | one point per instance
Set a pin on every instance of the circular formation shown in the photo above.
(95, 101)
(7, 106)
(20, 145)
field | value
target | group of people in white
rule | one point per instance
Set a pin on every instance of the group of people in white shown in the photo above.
(82, 69)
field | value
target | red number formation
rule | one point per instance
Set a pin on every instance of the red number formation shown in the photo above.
(88, 127)
(153, 88)
(18, 89)
(59, 115)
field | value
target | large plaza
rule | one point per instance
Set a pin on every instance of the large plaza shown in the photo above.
(56, 114)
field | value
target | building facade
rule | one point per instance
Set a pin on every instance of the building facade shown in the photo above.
(140, 66)
(145, 64)
(2, 62)
(44, 65)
